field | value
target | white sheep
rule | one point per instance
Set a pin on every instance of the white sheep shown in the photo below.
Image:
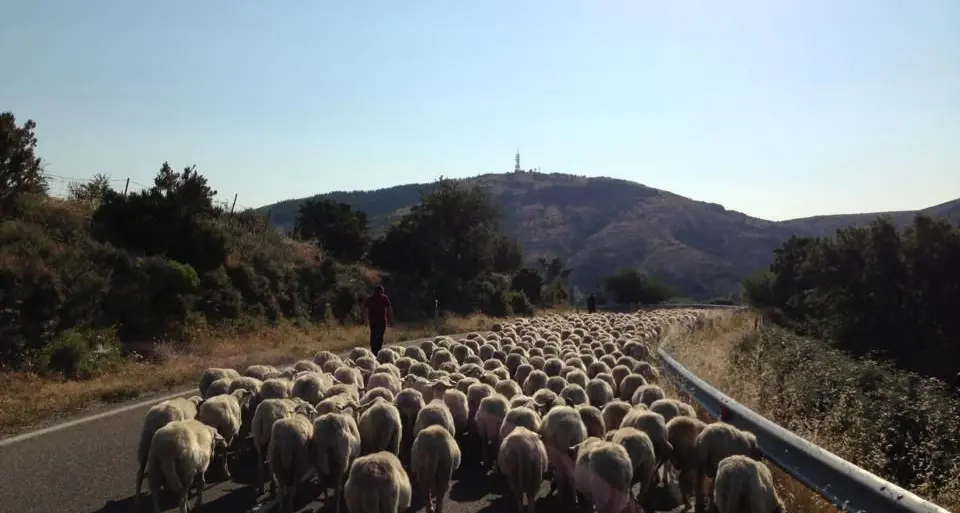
(561, 429)
(223, 413)
(593, 419)
(336, 445)
(434, 457)
(409, 402)
(180, 454)
(275, 388)
(520, 416)
(377, 483)
(744, 485)
(158, 416)
(456, 402)
(642, 456)
(380, 427)
(310, 387)
(714, 443)
(613, 413)
(267, 413)
(213, 374)
(289, 455)
(490, 414)
(682, 433)
(603, 474)
(523, 461)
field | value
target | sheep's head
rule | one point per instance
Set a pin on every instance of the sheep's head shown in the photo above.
(219, 444)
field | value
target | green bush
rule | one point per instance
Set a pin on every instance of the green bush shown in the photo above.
(519, 304)
(80, 353)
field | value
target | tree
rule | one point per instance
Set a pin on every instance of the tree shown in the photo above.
(92, 191)
(21, 171)
(528, 281)
(758, 289)
(339, 230)
(446, 245)
(173, 219)
(628, 286)
(555, 289)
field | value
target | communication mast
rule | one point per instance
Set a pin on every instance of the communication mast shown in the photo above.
(516, 166)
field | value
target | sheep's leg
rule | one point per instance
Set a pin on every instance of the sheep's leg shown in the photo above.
(259, 471)
(155, 494)
(226, 458)
(531, 502)
(338, 497)
(199, 483)
(520, 503)
(699, 498)
(440, 496)
(136, 496)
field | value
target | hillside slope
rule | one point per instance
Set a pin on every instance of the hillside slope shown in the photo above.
(602, 224)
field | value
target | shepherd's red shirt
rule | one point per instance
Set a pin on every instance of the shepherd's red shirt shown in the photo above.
(377, 308)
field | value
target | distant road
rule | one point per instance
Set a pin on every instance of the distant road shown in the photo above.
(88, 465)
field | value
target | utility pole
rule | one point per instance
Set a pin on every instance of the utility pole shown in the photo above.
(234, 202)
(125, 187)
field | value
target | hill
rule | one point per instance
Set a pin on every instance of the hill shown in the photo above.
(601, 224)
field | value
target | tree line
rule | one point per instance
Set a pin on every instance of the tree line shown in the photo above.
(875, 291)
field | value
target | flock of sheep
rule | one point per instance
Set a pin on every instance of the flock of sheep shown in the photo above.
(568, 398)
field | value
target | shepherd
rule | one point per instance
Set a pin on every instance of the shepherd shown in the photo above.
(592, 303)
(379, 314)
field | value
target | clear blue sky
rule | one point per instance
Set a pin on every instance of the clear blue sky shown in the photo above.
(779, 108)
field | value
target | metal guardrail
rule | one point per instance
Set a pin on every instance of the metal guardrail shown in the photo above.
(845, 485)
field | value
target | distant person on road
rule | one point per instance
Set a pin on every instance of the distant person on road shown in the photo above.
(379, 314)
(592, 303)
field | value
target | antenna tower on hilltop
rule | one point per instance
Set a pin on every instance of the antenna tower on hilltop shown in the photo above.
(516, 160)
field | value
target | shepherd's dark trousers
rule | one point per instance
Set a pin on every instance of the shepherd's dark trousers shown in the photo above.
(376, 337)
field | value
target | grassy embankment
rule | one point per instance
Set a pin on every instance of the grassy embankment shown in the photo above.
(896, 425)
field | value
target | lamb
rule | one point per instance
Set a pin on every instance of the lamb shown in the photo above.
(289, 455)
(520, 416)
(179, 456)
(523, 461)
(716, 442)
(213, 374)
(603, 474)
(433, 459)
(223, 413)
(380, 427)
(682, 433)
(493, 409)
(744, 485)
(642, 456)
(561, 429)
(158, 416)
(377, 483)
(336, 445)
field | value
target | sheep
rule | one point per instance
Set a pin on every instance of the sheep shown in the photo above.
(561, 429)
(642, 457)
(714, 443)
(613, 413)
(653, 425)
(267, 413)
(375, 392)
(490, 414)
(599, 392)
(603, 474)
(179, 456)
(435, 413)
(630, 384)
(259, 372)
(385, 380)
(213, 374)
(380, 427)
(668, 408)
(646, 395)
(289, 455)
(377, 483)
(573, 395)
(218, 387)
(336, 445)
(744, 485)
(508, 388)
(682, 433)
(158, 416)
(593, 419)
(310, 387)
(275, 388)
(456, 402)
(409, 402)
(223, 413)
(434, 457)
(522, 460)
(520, 416)
(338, 403)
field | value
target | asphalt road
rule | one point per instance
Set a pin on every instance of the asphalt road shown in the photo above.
(88, 465)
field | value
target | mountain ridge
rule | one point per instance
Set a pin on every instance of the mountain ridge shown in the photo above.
(600, 224)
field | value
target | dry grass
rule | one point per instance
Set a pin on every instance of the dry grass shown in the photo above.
(896, 425)
(29, 399)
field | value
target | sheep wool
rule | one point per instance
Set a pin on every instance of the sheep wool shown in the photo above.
(433, 459)
(377, 483)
